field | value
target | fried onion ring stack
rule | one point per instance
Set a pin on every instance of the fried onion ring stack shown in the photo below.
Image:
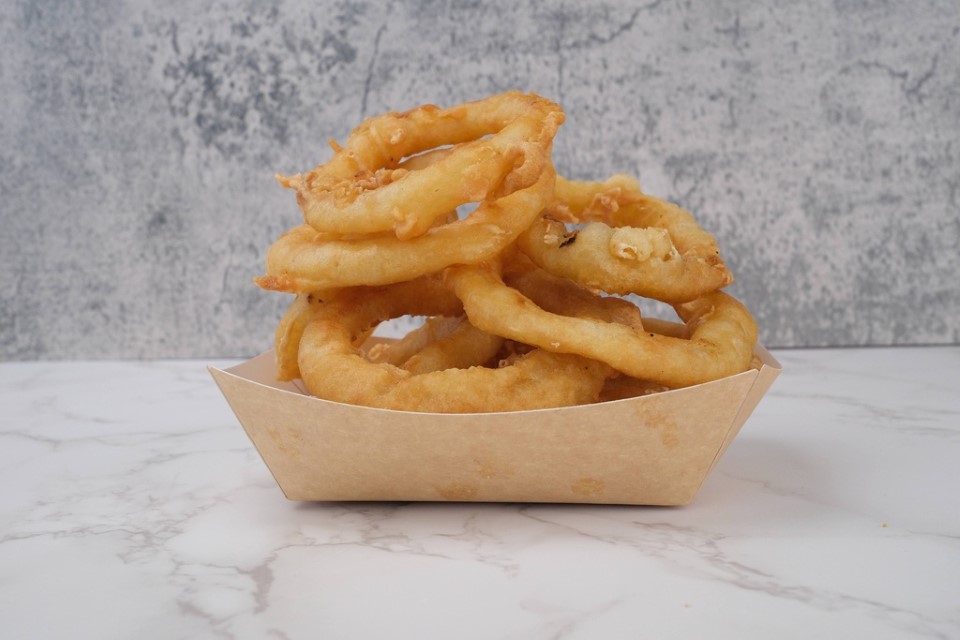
(515, 292)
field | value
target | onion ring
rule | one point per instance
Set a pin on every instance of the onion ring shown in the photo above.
(332, 367)
(634, 243)
(722, 332)
(290, 330)
(286, 340)
(624, 386)
(441, 342)
(560, 296)
(464, 347)
(361, 189)
(304, 259)
(398, 352)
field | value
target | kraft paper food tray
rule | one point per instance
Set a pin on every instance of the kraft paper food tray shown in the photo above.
(650, 450)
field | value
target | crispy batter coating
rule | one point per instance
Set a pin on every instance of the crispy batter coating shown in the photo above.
(333, 367)
(361, 190)
(632, 242)
(304, 259)
(722, 332)
(517, 320)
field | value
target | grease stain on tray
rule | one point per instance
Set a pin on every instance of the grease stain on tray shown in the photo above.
(488, 468)
(457, 491)
(587, 486)
(664, 423)
(286, 440)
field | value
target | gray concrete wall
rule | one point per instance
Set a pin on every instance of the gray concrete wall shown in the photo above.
(819, 140)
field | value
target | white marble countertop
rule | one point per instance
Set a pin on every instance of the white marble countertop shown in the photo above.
(133, 506)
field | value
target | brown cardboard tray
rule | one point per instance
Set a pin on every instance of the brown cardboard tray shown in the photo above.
(650, 450)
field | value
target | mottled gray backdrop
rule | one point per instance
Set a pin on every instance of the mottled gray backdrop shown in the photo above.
(819, 140)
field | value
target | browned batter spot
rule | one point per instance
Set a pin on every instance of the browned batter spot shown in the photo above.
(275, 283)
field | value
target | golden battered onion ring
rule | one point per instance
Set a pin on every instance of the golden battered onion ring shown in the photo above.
(398, 352)
(564, 297)
(362, 189)
(334, 369)
(634, 243)
(441, 342)
(305, 260)
(722, 332)
(287, 337)
(624, 386)
(290, 330)
(464, 347)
